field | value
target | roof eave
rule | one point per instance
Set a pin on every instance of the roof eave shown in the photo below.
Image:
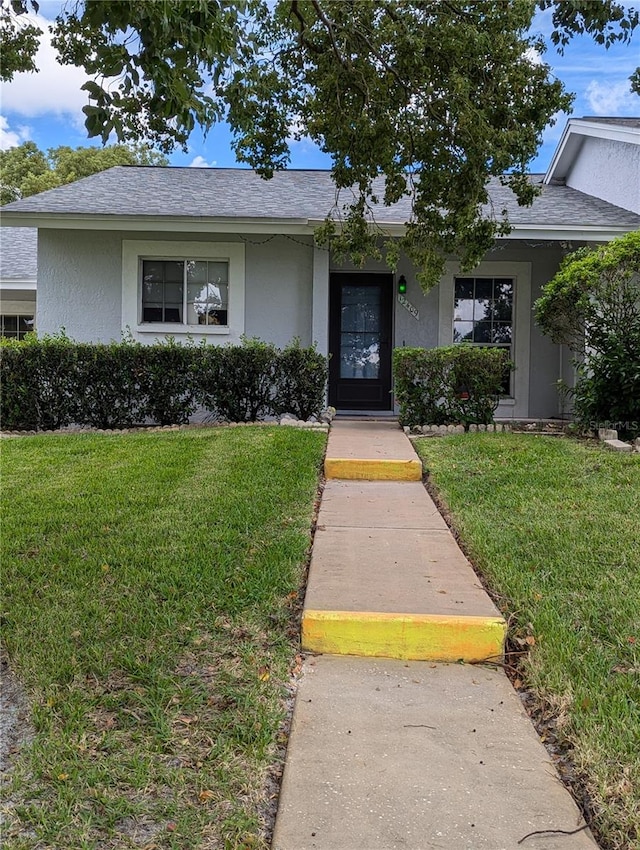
(163, 224)
(549, 232)
(574, 135)
(304, 227)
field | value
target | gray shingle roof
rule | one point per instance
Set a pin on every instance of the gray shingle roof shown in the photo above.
(622, 122)
(18, 253)
(241, 193)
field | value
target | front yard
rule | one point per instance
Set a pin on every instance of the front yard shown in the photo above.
(554, 527)
(150, 587)
(151, 584)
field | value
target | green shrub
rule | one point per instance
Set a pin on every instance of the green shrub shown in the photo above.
(54, 382)
(458, 384)
(301, 381)
(237, 382)
(106, 385)
(607, 391)
(38, 380)
(166, 382)
(592, 304)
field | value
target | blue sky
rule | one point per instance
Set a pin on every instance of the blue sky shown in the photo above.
(47, 107)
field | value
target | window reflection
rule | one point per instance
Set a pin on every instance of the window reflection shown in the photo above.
(483, 314)
(192, 292)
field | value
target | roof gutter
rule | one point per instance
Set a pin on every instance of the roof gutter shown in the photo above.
(161, 224)
(294, 227)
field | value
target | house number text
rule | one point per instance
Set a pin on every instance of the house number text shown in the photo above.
(408, 306)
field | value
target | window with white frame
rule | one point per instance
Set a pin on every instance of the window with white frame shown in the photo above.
(187, 292)
(16, 326)
(483, 315)
(183, 288)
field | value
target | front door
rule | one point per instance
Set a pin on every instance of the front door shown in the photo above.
(360, 322)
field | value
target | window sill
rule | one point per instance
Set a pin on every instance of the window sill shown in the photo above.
(192, 330)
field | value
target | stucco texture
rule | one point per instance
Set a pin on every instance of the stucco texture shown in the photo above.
(80, 284)
(593, 173)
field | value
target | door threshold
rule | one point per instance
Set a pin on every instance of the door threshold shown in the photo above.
(366, 414)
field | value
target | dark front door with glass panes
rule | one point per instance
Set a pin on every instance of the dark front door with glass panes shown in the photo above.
(360, 317)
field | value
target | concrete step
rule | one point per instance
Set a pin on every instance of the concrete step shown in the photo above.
(386, 754)
(388, 579)
(370, 451)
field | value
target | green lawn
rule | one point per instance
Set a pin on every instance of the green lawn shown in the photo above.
(554, 527)
(150, 590)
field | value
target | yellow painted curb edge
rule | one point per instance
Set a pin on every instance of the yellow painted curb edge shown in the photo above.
(424, 637)
(372, 469)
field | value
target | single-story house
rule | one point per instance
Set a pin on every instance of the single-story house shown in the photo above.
(221, 253)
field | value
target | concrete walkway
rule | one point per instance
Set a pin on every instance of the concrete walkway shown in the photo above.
(390, 746)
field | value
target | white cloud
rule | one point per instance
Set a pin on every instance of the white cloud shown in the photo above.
(533, 56)
(611, 98)
(201, 162)
(11, 138)
(54, 89)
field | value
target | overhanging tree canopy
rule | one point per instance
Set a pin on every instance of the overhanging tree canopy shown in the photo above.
(433, 97)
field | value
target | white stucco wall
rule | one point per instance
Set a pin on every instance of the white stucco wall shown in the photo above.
(609, 170)
(79, 274)
(80, 285)
(279, 289)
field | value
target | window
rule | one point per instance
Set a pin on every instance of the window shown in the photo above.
(187, 292)
(16, 327)
(483, 315)
(183, 288)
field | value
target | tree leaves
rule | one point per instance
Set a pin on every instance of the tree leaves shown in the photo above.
(418, 100)
(26, 170)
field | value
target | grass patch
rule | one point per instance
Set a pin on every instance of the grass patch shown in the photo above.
(150, 585)
(553, 526)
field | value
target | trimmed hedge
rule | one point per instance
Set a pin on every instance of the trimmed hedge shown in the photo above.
(453, 385)
(54, 382)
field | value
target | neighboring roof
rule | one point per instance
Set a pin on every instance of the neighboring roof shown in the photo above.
(130, 196)
(18, 254)
(577, 130)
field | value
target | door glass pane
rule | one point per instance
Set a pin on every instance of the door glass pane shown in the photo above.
(361, 309)
(360, 332)
(360, 355)
(360, 337)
